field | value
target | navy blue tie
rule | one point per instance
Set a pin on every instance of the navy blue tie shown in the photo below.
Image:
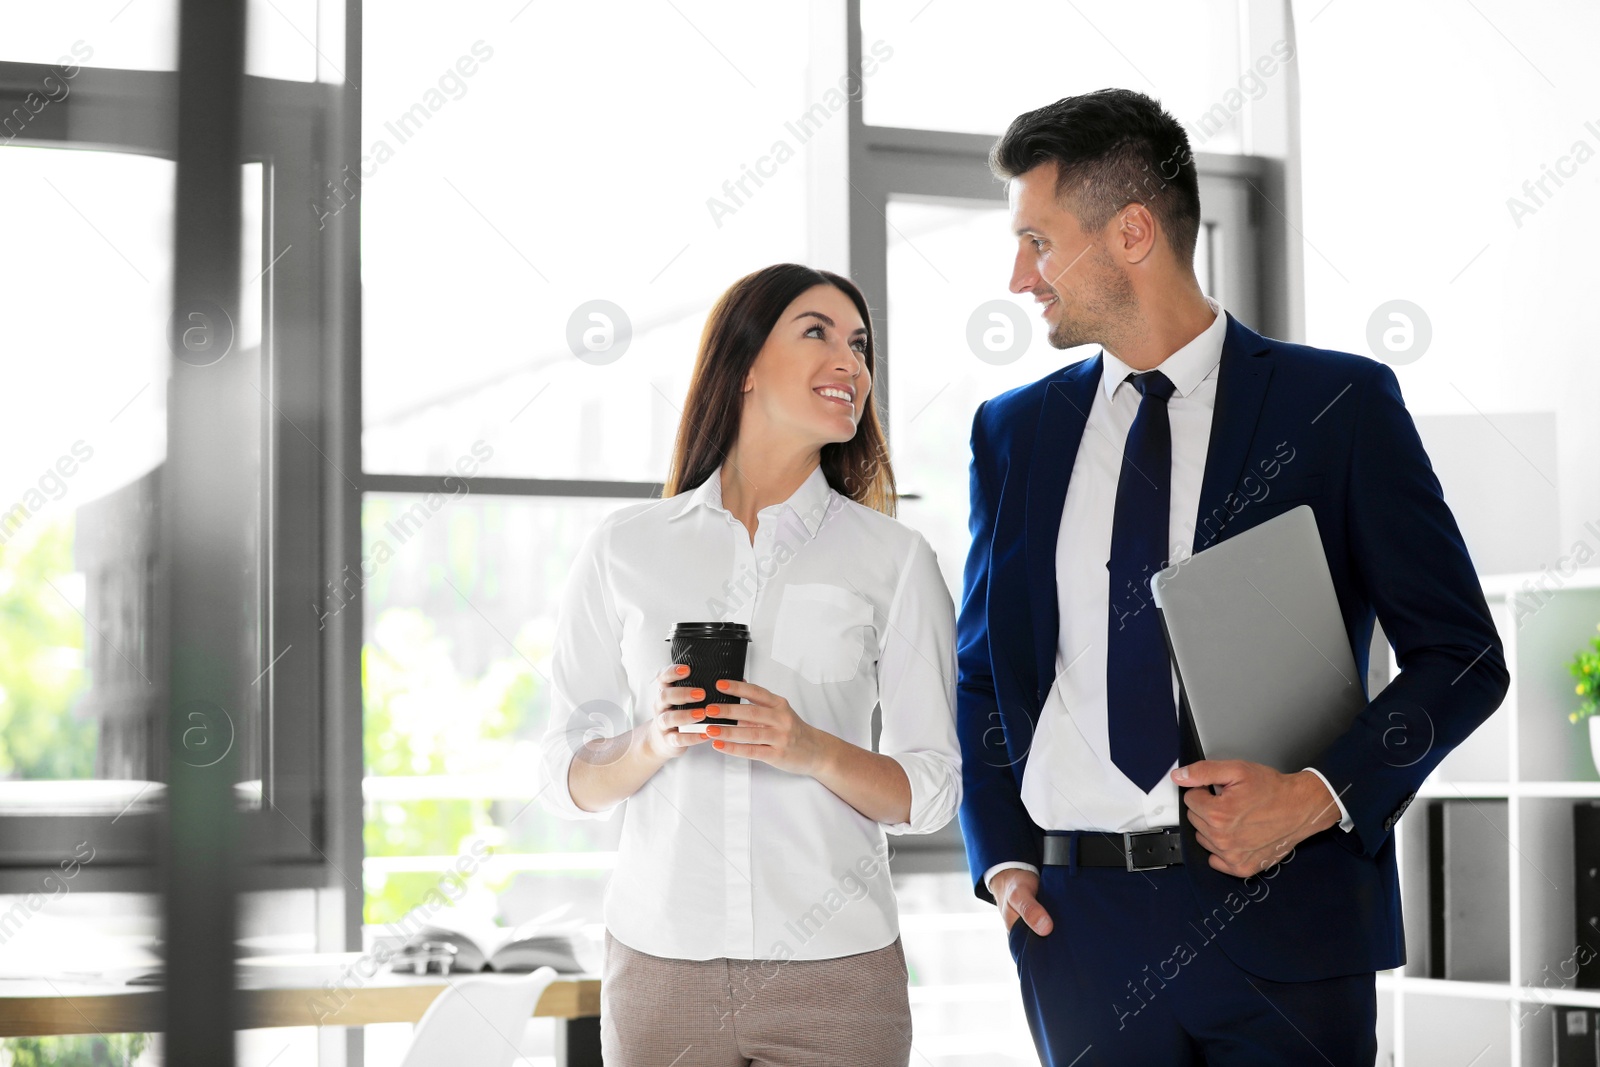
(1141, 718)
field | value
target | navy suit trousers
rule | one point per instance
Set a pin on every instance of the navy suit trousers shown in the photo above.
(1133, 974)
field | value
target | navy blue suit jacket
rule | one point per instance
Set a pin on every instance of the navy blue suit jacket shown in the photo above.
(1292, 425)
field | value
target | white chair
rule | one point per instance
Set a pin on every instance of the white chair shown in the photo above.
(477, 1021)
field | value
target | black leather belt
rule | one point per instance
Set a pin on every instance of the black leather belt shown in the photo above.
(1134, 850)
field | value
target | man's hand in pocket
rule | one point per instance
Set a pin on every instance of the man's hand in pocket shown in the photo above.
(1017, 893)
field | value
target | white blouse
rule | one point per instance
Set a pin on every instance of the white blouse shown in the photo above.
(722, 855)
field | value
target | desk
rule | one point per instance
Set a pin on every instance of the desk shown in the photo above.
(36, 1008)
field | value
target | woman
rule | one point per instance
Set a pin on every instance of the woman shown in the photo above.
(751, 917)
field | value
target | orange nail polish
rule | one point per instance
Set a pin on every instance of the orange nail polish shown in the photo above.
(714, 731)
(716, 744)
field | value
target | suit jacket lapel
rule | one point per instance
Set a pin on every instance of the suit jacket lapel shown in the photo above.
(1062, 417)
(1241, 387)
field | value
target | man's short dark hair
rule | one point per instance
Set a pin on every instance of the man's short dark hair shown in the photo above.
(1111, 147)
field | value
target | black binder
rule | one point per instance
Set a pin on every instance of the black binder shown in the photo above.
(1469, 890)
(1586, 871)
(1575, 1034)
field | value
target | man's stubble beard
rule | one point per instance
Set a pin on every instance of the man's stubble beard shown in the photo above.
(1105, 310)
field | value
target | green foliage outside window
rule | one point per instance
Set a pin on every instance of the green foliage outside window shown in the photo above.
(42, 672)
(423, 718)
(78, 1050)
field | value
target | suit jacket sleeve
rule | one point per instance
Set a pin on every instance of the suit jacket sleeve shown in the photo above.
(1412, 563)
(994, 822)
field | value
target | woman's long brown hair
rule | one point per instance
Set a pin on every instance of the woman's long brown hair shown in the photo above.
(735, 332)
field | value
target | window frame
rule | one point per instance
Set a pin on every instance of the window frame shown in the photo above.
(285, 126)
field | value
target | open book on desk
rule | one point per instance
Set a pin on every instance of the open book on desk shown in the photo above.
(482, 946)
(517, 950)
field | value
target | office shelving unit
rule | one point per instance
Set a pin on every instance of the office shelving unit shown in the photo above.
(1531, 757)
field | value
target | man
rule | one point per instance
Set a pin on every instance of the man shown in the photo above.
(1242, 923)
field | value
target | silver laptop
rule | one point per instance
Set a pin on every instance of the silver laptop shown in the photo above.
(1253, 625)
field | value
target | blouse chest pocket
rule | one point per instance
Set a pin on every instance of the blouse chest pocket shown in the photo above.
(821, 631)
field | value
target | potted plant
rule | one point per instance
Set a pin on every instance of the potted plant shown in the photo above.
(1585, 667)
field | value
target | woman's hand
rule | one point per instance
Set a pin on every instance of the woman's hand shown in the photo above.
(661, 736)
(769, 730)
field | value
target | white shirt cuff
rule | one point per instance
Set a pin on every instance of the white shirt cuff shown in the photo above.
(935, 791)
(988, 876)
(1345, 822)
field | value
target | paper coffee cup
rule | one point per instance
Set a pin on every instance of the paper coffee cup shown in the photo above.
(711, 650)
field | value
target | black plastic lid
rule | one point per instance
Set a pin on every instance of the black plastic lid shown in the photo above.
(716, 631)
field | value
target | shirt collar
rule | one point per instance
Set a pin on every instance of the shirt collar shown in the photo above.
(809, 502)
(1186, 368)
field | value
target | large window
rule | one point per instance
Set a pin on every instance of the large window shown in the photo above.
(86, 490)
(76, 465)
(104, 495)
(457, 666)
(546, 221)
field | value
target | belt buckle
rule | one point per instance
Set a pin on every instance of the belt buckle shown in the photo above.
(1127, 849)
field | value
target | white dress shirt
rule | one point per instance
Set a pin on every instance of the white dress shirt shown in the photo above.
(721, 855)
(1070, 781)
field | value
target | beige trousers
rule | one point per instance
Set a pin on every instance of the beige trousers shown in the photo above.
(846, 1012)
